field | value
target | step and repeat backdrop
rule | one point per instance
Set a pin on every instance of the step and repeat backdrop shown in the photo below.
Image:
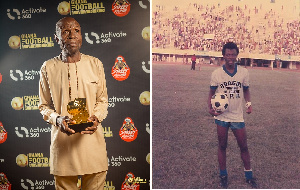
(113, 31)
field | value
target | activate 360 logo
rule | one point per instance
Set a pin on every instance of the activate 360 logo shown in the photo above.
(24, 13)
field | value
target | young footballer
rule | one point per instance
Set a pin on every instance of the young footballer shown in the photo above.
(233, 81)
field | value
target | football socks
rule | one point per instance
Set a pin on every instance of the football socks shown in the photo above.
(248, 174)
(223, 172)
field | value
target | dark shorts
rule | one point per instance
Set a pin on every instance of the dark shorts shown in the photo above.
(232, 125)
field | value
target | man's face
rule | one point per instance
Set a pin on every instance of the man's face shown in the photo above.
(68, 35)
(230, 56)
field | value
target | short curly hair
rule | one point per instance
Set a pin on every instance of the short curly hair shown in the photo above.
(230, 45)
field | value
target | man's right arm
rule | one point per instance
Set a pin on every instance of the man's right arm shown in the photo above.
(211, 110)
(46, 105)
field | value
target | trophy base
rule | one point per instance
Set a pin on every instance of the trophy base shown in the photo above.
(80, 127)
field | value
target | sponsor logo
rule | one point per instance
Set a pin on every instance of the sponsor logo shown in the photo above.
(32, 133)
(142, 4)
(109, 185)
(17, 103)
(31, 184)
(64, 8)
(148, 128)
(145, 98)
(4, 183)
(32, 160)
(77, 7)
(79, 183)
(18, 75)
(13, 14)
(115, 100)
(107, 132)
(120, 71)
(25, 102)
(24, 13)
(95, 38)
(117, 161)
(3, 137)
(31, 102)
(14, 42)
(146, 33)
(25, 41)
(22, 160)
(3, 134)
(27, 185)
(121, 8)
(148, 158)
(145, 68)
(128, 131)
(131, 182)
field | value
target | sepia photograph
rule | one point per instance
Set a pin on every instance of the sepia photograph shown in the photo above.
(225, 94)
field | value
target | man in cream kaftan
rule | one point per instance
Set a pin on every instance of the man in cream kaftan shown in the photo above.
(69, 153)
(62, 79)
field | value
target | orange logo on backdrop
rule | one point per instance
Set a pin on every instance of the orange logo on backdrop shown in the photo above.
(4, 183)
(128, 131)
(121, 8)
(120, 70)
(130, 183)
(3, 134)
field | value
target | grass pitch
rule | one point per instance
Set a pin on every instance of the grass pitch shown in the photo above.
(184, 145)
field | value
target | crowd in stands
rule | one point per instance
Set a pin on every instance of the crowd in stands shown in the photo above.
(256, 30)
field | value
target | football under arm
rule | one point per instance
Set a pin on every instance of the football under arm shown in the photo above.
(212, 91)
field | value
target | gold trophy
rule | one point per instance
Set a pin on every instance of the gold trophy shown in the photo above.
(77, 109)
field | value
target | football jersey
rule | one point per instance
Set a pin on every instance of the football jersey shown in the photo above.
(231, 84)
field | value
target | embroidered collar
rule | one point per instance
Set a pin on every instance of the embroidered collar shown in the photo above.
(230, 74)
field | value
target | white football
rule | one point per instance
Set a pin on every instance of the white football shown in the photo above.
(219, 102)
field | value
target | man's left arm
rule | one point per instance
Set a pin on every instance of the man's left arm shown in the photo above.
(101, 106)
(100, 109)
(246, 84)
(248, 100)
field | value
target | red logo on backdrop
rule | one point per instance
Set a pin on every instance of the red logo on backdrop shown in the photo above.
(128, 131)
(130, 183)
(3, 134)
(120, 70)
(121, 8)
(0, 78)
(4, 183)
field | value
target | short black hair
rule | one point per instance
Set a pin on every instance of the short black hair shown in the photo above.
(230, 45)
